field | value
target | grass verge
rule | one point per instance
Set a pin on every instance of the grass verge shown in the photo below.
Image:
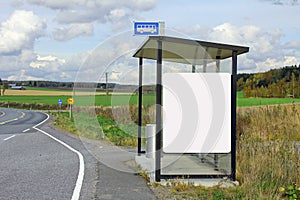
(266, 155)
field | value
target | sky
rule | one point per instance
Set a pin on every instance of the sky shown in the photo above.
(81, 40)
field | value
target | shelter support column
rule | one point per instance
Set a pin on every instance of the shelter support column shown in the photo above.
(140, 106)
(158, 135)
(233, 115)
(204, 66)
(195, 60)
(205, 60)
(218, 64)
(193, 68)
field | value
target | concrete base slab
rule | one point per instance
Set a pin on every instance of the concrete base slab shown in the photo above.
(220, 182)
(147, 165)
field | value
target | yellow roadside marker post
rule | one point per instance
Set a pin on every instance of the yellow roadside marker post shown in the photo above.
(70, 102)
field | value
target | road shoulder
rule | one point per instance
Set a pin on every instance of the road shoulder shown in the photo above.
(110, 170)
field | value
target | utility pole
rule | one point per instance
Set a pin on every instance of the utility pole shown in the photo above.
(106, 87)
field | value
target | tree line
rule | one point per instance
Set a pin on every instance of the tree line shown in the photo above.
(57, 84)
(280, 83)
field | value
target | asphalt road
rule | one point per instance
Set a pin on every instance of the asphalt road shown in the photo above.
(39, 161)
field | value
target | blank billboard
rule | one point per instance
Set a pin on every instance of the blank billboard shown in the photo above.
(196, 113)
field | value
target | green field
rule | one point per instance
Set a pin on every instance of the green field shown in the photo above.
(98, 100)
(241, 101)
(47, 89)
(114, 100)
(49, 100)
(125, 99)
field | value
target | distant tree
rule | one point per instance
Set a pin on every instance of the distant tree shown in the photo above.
(247, 91)
(263, 91)
(70, 85)
(3, 87)
(240, 84)
(249, 83)
(293, 84)
(273, 83)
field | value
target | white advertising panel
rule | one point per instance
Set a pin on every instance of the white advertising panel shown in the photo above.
(196, 113)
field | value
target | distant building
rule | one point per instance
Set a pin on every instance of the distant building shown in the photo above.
(11, 85)
(18, 88)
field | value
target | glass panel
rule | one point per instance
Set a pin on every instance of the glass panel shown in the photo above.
(196, 163)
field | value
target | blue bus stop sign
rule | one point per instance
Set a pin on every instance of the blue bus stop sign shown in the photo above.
(59, 101)
(147, 28)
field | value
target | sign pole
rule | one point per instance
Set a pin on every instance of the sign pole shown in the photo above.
(59, 104)
(70, 111)
(70, 102)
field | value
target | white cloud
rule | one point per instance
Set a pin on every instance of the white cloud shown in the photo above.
(92, 4)
(11, 63)
(141, 4)
(271, 63)
(266, 47)
(26, 56)
(116, 14)
(30, 66)
(46, 61)
(292, 45)
(73, 31)
(87, 12)
(80, 16)
(21, 76)
(284, 2)
(114, 55)
(49, 58)
(20, 32)
(57, 4)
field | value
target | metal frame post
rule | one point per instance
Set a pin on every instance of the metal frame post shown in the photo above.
(204, 66)
(218, 64)
(158, 135)
(193, 68)
(140, 106)
(205, 60)
(233, 115)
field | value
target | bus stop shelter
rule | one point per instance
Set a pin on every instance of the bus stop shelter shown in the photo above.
(195, 55)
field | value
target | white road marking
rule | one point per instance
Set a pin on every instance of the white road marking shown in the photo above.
(9, 137)
(2, 114)
(26, 130)
(11, 120)
(77, 189)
